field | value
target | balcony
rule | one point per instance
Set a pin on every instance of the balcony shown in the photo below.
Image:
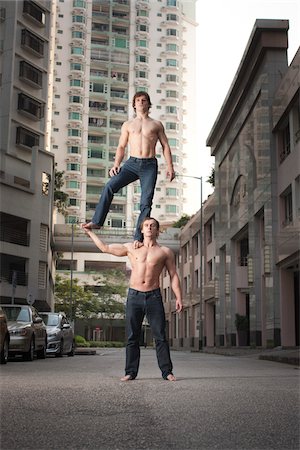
(33, 43)
(34, 12)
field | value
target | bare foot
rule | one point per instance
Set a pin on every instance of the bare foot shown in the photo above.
(127, 378)
(137, 244)
(90, 226)
(171, 377)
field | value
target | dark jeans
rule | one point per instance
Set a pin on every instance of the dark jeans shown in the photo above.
(144, 169)
(138, 305)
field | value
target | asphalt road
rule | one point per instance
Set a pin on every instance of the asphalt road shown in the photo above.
(217, 402)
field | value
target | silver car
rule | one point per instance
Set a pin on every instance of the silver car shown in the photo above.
(60, 334)
(27, 331)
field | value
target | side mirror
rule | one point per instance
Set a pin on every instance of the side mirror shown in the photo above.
(66, 326)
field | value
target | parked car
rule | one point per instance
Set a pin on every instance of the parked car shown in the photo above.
(4, 337)
(28, 334)
(60, 334)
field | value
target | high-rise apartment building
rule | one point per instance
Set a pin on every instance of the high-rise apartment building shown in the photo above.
(27, 170)
(103, 53)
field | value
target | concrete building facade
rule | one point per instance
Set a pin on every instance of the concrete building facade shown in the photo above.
(27, 170)
(250, 226)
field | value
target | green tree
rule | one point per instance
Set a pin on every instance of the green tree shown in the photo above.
(60, 197)
(84, 302)
(182, 221)
(211, 178)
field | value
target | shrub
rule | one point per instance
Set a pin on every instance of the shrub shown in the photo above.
(81, 342)
(108, 344)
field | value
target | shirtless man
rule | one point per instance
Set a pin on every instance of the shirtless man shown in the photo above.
(144, 296)
(142, 134)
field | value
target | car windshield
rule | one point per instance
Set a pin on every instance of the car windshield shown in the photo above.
(17, 313)
(51, 320)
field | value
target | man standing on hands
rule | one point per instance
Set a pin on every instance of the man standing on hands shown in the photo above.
(142, 134)
(144, 296)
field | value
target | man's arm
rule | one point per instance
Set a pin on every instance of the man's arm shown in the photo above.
(120, 152)
(175, 282)
(112, 249)
(166, 151)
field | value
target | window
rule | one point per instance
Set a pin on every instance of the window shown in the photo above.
(78, 35)
(74, 149)
(143, 28)
(172, 209)
(77, 83)
(74, 132)
(73, 167)
(31, 42)
(78, 19)
(73, 202)
(172, 63)
(172, 32)
(34, 11)
(171, 2)
(287, 199)
(75, 116)
(75, 99)
(171, 126)
(244, 251)
(173, 142)
(31, 74)
(172, 17)
(172, 94)
(142, 13)
(97, 173)
(120, 43)
(76, 66)
(171, 109)
(72, 185)
(175, 159)
(30, 106)
(116, 223)
(172, 78)
(27, 138)
(142, 43)
(142, 58)
(284, 143)
(96, 153)
(141, 74)
(172, 192)
(77, 51)
(79, 4)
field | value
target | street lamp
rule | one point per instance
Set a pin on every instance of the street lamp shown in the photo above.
(201, 331)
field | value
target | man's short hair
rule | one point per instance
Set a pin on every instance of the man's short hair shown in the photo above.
(141, 94)
(149, 218)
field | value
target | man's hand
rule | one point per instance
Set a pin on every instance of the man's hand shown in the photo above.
(137, 244)
(114, 170)
(179, 306)
(170, 173)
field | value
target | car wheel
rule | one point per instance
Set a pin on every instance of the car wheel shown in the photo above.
(61, 349)
(41, 354)
(4, 352)
(28, 356)
(72, 352)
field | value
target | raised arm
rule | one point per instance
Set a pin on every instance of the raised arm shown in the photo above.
(166, 151)
(175, 282)
(120, 152)
(112, 249)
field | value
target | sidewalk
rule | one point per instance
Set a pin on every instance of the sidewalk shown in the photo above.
(278, 354)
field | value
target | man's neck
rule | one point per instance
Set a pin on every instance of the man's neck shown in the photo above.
(149, 242)
(142, 115)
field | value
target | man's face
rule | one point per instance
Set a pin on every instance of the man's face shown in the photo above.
(141, 103)
(150, 228)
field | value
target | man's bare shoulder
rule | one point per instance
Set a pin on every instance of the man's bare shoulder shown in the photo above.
(168, 252)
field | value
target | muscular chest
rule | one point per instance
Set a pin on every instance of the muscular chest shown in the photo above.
(142, 129)
(147, 257)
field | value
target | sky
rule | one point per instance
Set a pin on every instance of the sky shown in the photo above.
(224, 29)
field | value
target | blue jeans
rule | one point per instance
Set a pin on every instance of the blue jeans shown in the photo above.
(133, 169)
(138, 305)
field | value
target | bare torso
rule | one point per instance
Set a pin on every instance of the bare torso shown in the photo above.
(147, 265)
(143, 135)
